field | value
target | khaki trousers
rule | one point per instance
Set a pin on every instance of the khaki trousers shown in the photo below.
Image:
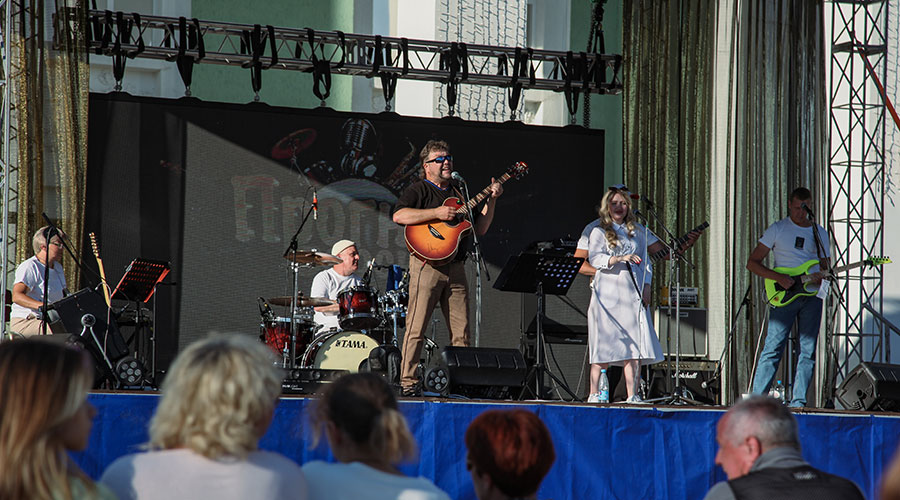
(32, 326)
(428, 286)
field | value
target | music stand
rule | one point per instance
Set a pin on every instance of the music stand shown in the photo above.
(138, 285)
(541, 275)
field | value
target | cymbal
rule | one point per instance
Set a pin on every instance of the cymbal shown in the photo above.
(313, 258)
(301, 301)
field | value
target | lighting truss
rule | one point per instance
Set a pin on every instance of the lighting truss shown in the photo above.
(856, 186)
(257, 47)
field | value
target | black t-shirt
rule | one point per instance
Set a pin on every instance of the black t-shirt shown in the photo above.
(426, 194)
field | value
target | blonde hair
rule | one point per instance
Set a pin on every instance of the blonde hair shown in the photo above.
(42, 385)
(363, 406)
(218, 397)
(606, 221)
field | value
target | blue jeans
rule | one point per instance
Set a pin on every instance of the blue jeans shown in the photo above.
(807, 311)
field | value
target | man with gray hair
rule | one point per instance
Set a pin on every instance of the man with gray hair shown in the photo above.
(28, 287)
(759, 450)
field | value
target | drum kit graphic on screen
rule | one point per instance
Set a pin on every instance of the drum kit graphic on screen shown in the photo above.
(367, 319)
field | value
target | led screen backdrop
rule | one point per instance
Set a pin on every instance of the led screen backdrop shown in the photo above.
(218, 190)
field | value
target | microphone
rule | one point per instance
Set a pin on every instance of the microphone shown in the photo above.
(368, 275)
(457, 177)
(641, 197)
(809, 212)
(315, 205)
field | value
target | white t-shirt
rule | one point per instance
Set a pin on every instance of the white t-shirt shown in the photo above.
(793, 245)
(337, 481)
(182, 474)
(584, 242)
(329, 283)
(31, 273)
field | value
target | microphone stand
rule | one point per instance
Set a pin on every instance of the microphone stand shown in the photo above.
(295, 268)
(479, 265)
(678, 394)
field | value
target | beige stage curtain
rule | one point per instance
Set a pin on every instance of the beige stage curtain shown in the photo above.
(52, 93)
(777, 129)
(668, 55)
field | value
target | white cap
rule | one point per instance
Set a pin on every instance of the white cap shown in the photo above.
(340, 246)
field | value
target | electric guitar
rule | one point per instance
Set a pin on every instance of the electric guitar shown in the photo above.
(96, 248)
(662, 254)
(437, 241)
(779, 296)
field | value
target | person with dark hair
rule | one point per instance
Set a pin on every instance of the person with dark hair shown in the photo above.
(44, 412)
(28, 288)
(432, 283)
(794, 241)
(368, 436)
(759, 450)
(217, 402)
(509, 454)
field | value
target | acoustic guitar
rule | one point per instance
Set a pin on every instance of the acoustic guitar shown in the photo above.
(779, 296)
(437, 241)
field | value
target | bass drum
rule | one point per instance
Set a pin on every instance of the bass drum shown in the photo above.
(344, 350)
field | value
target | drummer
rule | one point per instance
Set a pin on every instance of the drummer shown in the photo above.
(331, 282)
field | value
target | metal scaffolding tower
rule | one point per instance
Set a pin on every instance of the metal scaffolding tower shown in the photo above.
(856, 332)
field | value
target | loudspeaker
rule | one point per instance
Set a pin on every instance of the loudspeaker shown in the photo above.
(692, 333)
(693, 375)
(484, 372)
(71, 310)
(871, 386)
(309, 380)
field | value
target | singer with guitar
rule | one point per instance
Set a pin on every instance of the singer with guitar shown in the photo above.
(793, 241)
(28, 288)
(433, 281)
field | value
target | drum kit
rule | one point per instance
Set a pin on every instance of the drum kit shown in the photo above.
(367, 319)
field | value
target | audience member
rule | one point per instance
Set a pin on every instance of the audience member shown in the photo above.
(759, 450)
(217, 402)
(509, 453)
(43, 413)
(890, 481)
(368, 436)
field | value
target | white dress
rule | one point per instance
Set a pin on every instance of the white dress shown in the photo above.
(619, 326)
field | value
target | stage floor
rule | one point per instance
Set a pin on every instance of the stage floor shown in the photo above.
(614, 451)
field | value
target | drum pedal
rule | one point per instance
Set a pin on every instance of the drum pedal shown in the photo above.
(309, 380)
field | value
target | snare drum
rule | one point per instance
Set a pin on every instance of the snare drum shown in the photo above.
(344, 350)
(359, 309)
(276, 333)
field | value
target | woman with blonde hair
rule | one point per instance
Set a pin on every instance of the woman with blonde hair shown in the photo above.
(368, 436)
(44, 413)
(217, 402)
(620, 330)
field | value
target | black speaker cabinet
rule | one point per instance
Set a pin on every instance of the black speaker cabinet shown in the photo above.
(692, 374)
(73, 307)
(871, 386)
(485, 372)
(692, 332)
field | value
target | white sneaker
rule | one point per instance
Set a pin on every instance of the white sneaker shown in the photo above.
(635, 400)
(594, 398)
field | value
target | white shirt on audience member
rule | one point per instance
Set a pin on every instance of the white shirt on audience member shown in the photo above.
(352, 481)
(182, 474)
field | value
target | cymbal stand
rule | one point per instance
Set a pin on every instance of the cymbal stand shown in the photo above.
(295, 268)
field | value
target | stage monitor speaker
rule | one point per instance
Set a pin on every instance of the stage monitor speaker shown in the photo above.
(692, 333)
(693, 376)
(71, 310)
(871, 386)
(484, 372)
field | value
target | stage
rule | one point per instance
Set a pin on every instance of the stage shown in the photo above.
(614, 451)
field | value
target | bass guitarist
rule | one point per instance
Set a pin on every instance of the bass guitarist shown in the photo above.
(793, 241)
(433, 282)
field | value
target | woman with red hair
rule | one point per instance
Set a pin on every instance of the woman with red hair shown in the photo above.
(510, 452)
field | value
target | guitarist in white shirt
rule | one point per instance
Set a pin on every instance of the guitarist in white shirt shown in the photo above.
(792, 241)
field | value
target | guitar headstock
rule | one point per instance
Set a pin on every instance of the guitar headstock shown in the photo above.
(877, 261)
(517, 171)
(94, 246)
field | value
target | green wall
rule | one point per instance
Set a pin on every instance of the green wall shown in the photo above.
(606, 110)
(213, 82)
